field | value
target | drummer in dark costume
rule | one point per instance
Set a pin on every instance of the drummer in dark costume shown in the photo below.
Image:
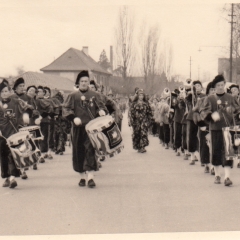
(234, 91)
(11, 116)
(32, 92)
(81, 107)
(192, 128)
(218, 109)
(46, 111)
(203, 130)
(18, 88)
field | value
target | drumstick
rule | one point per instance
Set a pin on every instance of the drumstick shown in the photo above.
(13, 126)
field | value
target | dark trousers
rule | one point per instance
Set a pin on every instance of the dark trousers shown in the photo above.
(171, 134)
(166, 131)
(177, 135)
(154, 128)
(44, 144)
(161, 133)
(51, 134)
(203, 147)
(184, 136)
(83, 154)
(8, 167)
(218, 151)
(192, 138)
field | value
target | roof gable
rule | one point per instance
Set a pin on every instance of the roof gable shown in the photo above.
(74, 60)
(52, 81)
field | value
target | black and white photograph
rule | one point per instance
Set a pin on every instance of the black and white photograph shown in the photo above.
(119, 119)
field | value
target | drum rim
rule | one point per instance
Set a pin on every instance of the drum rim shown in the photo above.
(29, 128)
(99, 129)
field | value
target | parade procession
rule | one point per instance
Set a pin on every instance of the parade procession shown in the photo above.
(198, 124)
(119, 118)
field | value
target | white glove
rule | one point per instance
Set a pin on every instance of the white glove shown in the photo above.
(77, 121)
(102, 113)
(26, 118)
(38, 120)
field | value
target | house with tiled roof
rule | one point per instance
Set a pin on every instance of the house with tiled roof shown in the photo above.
(54, 82)
(70, 63)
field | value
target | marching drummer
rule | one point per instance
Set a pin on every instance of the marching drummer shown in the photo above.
(18, 87)
(11, 116)
(81, 107)
(218, 109)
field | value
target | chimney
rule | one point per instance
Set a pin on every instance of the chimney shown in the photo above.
(85, 50)
(111, 57)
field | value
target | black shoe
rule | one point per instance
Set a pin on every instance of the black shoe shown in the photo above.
(102, 158)
(60, 153)
(57, 152)
(178, 154)
(227, 182)
(24, 176)
(42, 160)
(13, 184)
(143, 150)
(212, 171)
(217, 180)
(6, 183)
(99, 165)
(91, 183)
(35, 167)
(45, 155)
(206, 169)
(82, 183)
(50, 157)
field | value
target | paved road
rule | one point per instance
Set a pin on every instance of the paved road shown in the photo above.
(135, 193)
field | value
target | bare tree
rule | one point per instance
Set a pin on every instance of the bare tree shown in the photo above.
(124, 37)
(167, 59)
(149, 44)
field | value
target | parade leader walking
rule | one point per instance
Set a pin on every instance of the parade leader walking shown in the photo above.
(80, 108)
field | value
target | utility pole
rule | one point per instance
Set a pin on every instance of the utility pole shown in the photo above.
(231, 41)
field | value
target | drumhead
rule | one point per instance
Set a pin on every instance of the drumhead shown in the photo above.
(18, 137)
(29, 128)
(99, 123)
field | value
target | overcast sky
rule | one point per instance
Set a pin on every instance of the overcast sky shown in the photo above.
(34, 32)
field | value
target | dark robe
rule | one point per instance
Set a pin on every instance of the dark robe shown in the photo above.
(86, 106)
(228, 109)
(11, 111)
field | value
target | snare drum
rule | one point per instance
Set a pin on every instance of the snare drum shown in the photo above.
(34, 131)
(231, 137)
(24, 150)
(105, 136)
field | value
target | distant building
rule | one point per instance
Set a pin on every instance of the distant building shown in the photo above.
(224, 68)
(70, 63)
